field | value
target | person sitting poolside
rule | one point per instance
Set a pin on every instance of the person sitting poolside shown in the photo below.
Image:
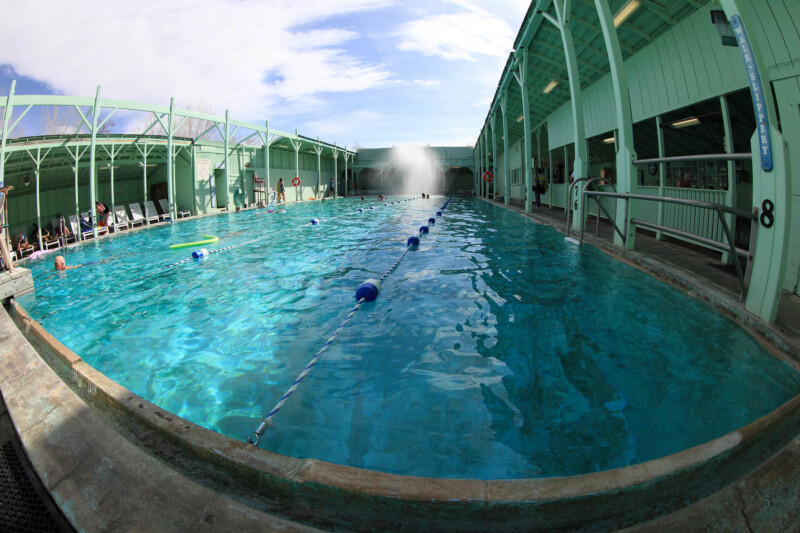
(23, 245)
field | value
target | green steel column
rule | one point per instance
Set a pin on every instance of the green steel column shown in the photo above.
(550, 164)
(662, 172)
(266, 158)
(626, 155)
(771, 171)
(346, 157)
(92, 163)
(730, 194)
(171, 160)
(227, 185)
(38, 206)
(522, 78)
(335, 153)
(144, 172)
(318, 150)
(538, 153)
(493, 153)
(488, 159)
(112, 215)
(506, 173)
(8, 110)
(76, 157)
(576, 100)
(194, 179)
(479, 181)
(299, 189)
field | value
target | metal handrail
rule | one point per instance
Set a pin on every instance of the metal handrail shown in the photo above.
(589, 181)
(569, 199)
(718, 208)
(740, 156)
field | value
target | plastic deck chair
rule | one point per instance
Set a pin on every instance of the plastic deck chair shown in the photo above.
(165, 209)
(151, 208)
(123, 222)
(136, 216)
(137, 213)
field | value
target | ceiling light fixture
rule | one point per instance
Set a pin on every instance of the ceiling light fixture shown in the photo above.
(686, 122)
(626, 11)
(609, 140)
(550, 86)
(519, 118)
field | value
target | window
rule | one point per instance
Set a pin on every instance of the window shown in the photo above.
(515, 176)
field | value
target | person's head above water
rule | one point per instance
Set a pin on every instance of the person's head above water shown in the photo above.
(59, 263)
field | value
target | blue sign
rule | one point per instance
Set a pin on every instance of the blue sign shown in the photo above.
(757, 92)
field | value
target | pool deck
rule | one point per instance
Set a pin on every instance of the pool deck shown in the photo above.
(103, 477)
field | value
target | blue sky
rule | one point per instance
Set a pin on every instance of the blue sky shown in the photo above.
(366, 73)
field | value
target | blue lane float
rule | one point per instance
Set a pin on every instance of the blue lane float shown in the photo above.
(200, 254)
(431, 221)
(315, 222)
(423, 229)
(369, 290)
(413, 241)
(438, 213)
(360, 209)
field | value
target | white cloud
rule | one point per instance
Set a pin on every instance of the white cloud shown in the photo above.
(248, 55)
(471, 32)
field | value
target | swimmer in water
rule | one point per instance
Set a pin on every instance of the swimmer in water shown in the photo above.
(60, 264)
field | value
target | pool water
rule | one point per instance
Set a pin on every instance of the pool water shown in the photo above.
(495, 351)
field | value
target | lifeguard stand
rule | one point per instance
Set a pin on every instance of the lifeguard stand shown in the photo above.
(259, 190)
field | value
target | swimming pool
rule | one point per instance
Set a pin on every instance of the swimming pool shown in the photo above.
(495, 351)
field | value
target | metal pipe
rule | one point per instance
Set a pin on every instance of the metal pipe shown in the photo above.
(741, 156)
(671, 200)
(697, 238)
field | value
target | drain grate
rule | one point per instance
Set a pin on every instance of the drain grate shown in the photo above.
(24, 505)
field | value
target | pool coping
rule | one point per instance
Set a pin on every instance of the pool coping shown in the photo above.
(359, 499)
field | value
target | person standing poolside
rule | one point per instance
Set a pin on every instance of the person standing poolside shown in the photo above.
(281, 191)
(539, 186)
(332, 188)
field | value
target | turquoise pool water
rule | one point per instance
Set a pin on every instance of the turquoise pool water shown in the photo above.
(496, 350)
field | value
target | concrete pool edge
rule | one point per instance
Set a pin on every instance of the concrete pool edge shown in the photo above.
(361, 499)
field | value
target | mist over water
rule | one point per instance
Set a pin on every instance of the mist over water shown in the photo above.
(418, 169)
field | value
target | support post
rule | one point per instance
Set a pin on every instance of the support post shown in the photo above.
(318, 150)
(730, 194)
(771, 179)
(228, 202)
(576, 100)
(506, 172)
(522, 78)
(662, 173)
(626, 155)
(335, 153)
(93, 163)
(171, 159)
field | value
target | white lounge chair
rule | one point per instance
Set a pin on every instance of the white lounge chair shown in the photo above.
(151, 208)
(123, 222)
(76, 228)
(165, 209)
(136, 213)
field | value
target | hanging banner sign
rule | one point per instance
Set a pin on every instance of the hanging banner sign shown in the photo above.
(756, 91)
